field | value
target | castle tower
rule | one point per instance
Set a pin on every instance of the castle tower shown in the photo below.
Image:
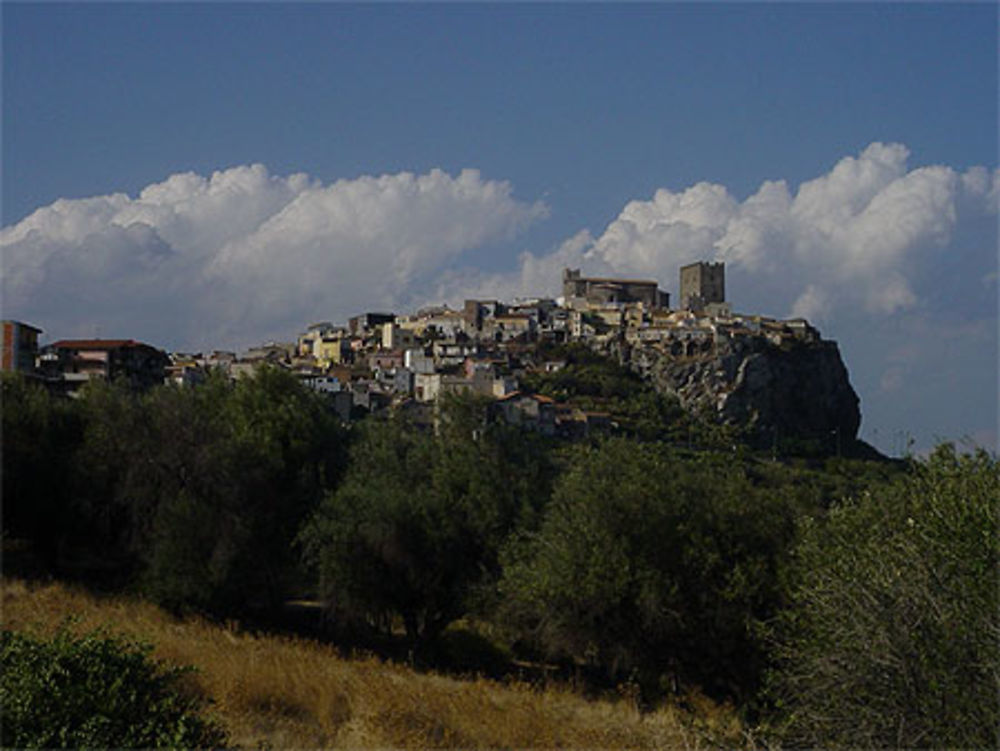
(701, 284)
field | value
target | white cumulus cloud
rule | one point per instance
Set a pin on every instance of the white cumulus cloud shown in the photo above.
(861, 237)
(195, 261)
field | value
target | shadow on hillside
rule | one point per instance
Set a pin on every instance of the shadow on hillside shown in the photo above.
(461, 652)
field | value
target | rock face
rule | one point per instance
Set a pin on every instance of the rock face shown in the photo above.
(796, 390)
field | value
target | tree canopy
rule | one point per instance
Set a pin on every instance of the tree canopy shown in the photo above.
(646, 561)
(416, 525)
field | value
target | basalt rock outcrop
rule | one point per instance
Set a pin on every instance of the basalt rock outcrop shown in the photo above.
(795, 390)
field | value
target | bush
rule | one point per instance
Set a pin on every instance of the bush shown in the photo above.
(95, 691)
(891, 638)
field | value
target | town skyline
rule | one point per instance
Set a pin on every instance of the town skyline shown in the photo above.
(776, 384)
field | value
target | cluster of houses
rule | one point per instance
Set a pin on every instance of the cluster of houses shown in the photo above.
(382, 360)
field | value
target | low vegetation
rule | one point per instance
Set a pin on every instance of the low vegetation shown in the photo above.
(282, 692)
(95, 691)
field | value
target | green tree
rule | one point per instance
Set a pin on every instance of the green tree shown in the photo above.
(650, 563)
(248, 464)
(41, 434)
(892, 637)
(287, 450)
(415, 527)
(205, 487)
(120, 483)
(96, 691)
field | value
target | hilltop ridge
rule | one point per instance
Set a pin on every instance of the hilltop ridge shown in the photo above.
(776, 382)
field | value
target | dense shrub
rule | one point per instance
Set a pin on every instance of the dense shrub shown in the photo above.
(592, 381)
(95, 691)
(892, 637)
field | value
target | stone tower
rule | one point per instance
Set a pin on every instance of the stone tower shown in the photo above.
(701, 284)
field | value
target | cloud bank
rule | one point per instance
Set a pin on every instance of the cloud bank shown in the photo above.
(243, 255)
(898, 263)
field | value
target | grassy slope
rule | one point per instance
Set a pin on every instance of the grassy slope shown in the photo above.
(282, 693)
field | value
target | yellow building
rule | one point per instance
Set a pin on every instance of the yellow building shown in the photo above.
(334, 349)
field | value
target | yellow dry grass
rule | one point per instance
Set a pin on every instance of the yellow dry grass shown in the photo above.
(280, 692)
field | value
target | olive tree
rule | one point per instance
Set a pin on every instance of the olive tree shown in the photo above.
(651, 563)
(205, 487)
(414, 530)
(40, 435)
(892, 636)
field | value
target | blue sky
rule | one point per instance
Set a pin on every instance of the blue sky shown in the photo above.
(572, 117)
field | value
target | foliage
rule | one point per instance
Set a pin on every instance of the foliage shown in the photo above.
(652, 563)
(649, 561)
(40, 435)
(95, 691)
(205, 487)
(892, 636)
(593, 381)
(586, 374)
(416, 526)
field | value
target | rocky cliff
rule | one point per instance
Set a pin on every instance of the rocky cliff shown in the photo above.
(795, 390)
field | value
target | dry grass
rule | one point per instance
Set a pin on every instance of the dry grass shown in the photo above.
(291, 693)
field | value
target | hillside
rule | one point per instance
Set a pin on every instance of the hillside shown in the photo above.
(775, 390)
(279, 692)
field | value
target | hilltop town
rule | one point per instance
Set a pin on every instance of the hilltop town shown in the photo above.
(383, 360)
